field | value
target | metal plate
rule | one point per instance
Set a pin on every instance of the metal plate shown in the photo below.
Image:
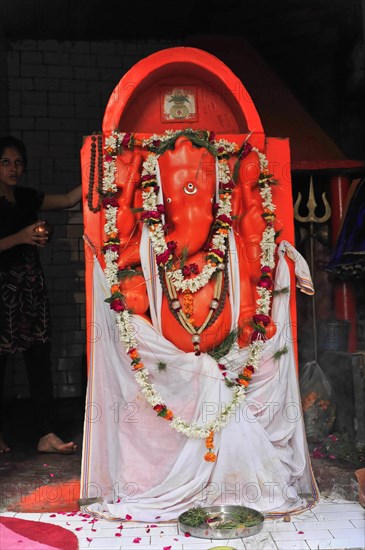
(225, 513)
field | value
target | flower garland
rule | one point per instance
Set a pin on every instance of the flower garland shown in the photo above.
(153, 217)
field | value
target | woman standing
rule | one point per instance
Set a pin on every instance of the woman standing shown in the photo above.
(24, 314)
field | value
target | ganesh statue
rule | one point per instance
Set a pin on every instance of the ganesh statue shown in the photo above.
(192, 394)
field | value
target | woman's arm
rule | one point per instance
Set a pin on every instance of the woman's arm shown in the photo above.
(59, 202)
(28, 235)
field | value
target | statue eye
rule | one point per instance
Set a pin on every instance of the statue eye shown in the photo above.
(168, 199)
(190, 188)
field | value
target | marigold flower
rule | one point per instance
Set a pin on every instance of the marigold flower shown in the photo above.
(209, 441)
(138, 366)
(210, 457)
(133, 354)
(169, 415)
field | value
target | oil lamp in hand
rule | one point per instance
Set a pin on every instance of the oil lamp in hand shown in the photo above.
(46, 230)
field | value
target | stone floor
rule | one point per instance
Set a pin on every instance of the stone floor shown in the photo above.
(45, 488)
(329, 525)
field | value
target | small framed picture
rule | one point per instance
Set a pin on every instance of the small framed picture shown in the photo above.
(178, 103)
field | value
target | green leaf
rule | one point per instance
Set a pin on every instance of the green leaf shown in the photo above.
(279, 353)
(284, 290)
(225, 346)
(161, 366)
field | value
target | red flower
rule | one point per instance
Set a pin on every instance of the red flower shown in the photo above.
(191, 268)
(112, 247)
(250, 368)
(126, 140)
(163, 258)
(265, 282)
(110, 201)
(224, 219)
(147, 177)
(217, 252)
(226, 186)
(261, 318)
(186, 271)
(257, 335)
(154, 214)
(317, 453)
(117, 305)
(246, 148)
(171, 246)
(159, 408)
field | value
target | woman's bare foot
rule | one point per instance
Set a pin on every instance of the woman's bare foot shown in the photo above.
(51, 443)
(4, 447)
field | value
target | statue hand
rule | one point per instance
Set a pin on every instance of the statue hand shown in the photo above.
(247, 201)
(128, 175)
(127, 178)
(248, 334)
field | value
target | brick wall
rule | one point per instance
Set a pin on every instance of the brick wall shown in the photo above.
(57, 93)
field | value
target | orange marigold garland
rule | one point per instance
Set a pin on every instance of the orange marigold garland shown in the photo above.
(210, 456)
(188, 305)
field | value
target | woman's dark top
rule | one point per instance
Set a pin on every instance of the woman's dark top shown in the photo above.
(24, 313)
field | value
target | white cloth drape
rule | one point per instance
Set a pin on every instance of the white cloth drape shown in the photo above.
(137, 465)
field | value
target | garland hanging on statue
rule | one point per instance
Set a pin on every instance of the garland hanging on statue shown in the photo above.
(178, 279)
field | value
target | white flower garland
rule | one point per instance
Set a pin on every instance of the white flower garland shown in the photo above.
(157, 236)
(123, 318)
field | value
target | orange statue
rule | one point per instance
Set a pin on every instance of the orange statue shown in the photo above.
(185, 253)
(189, 195)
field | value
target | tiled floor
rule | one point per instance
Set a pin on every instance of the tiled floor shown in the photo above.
(330, 524)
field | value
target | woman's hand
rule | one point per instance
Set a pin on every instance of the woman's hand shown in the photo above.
(34, 234)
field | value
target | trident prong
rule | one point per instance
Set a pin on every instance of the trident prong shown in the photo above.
(312, 219)
(312, 205)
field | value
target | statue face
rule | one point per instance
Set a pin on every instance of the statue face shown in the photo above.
(188, 183)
